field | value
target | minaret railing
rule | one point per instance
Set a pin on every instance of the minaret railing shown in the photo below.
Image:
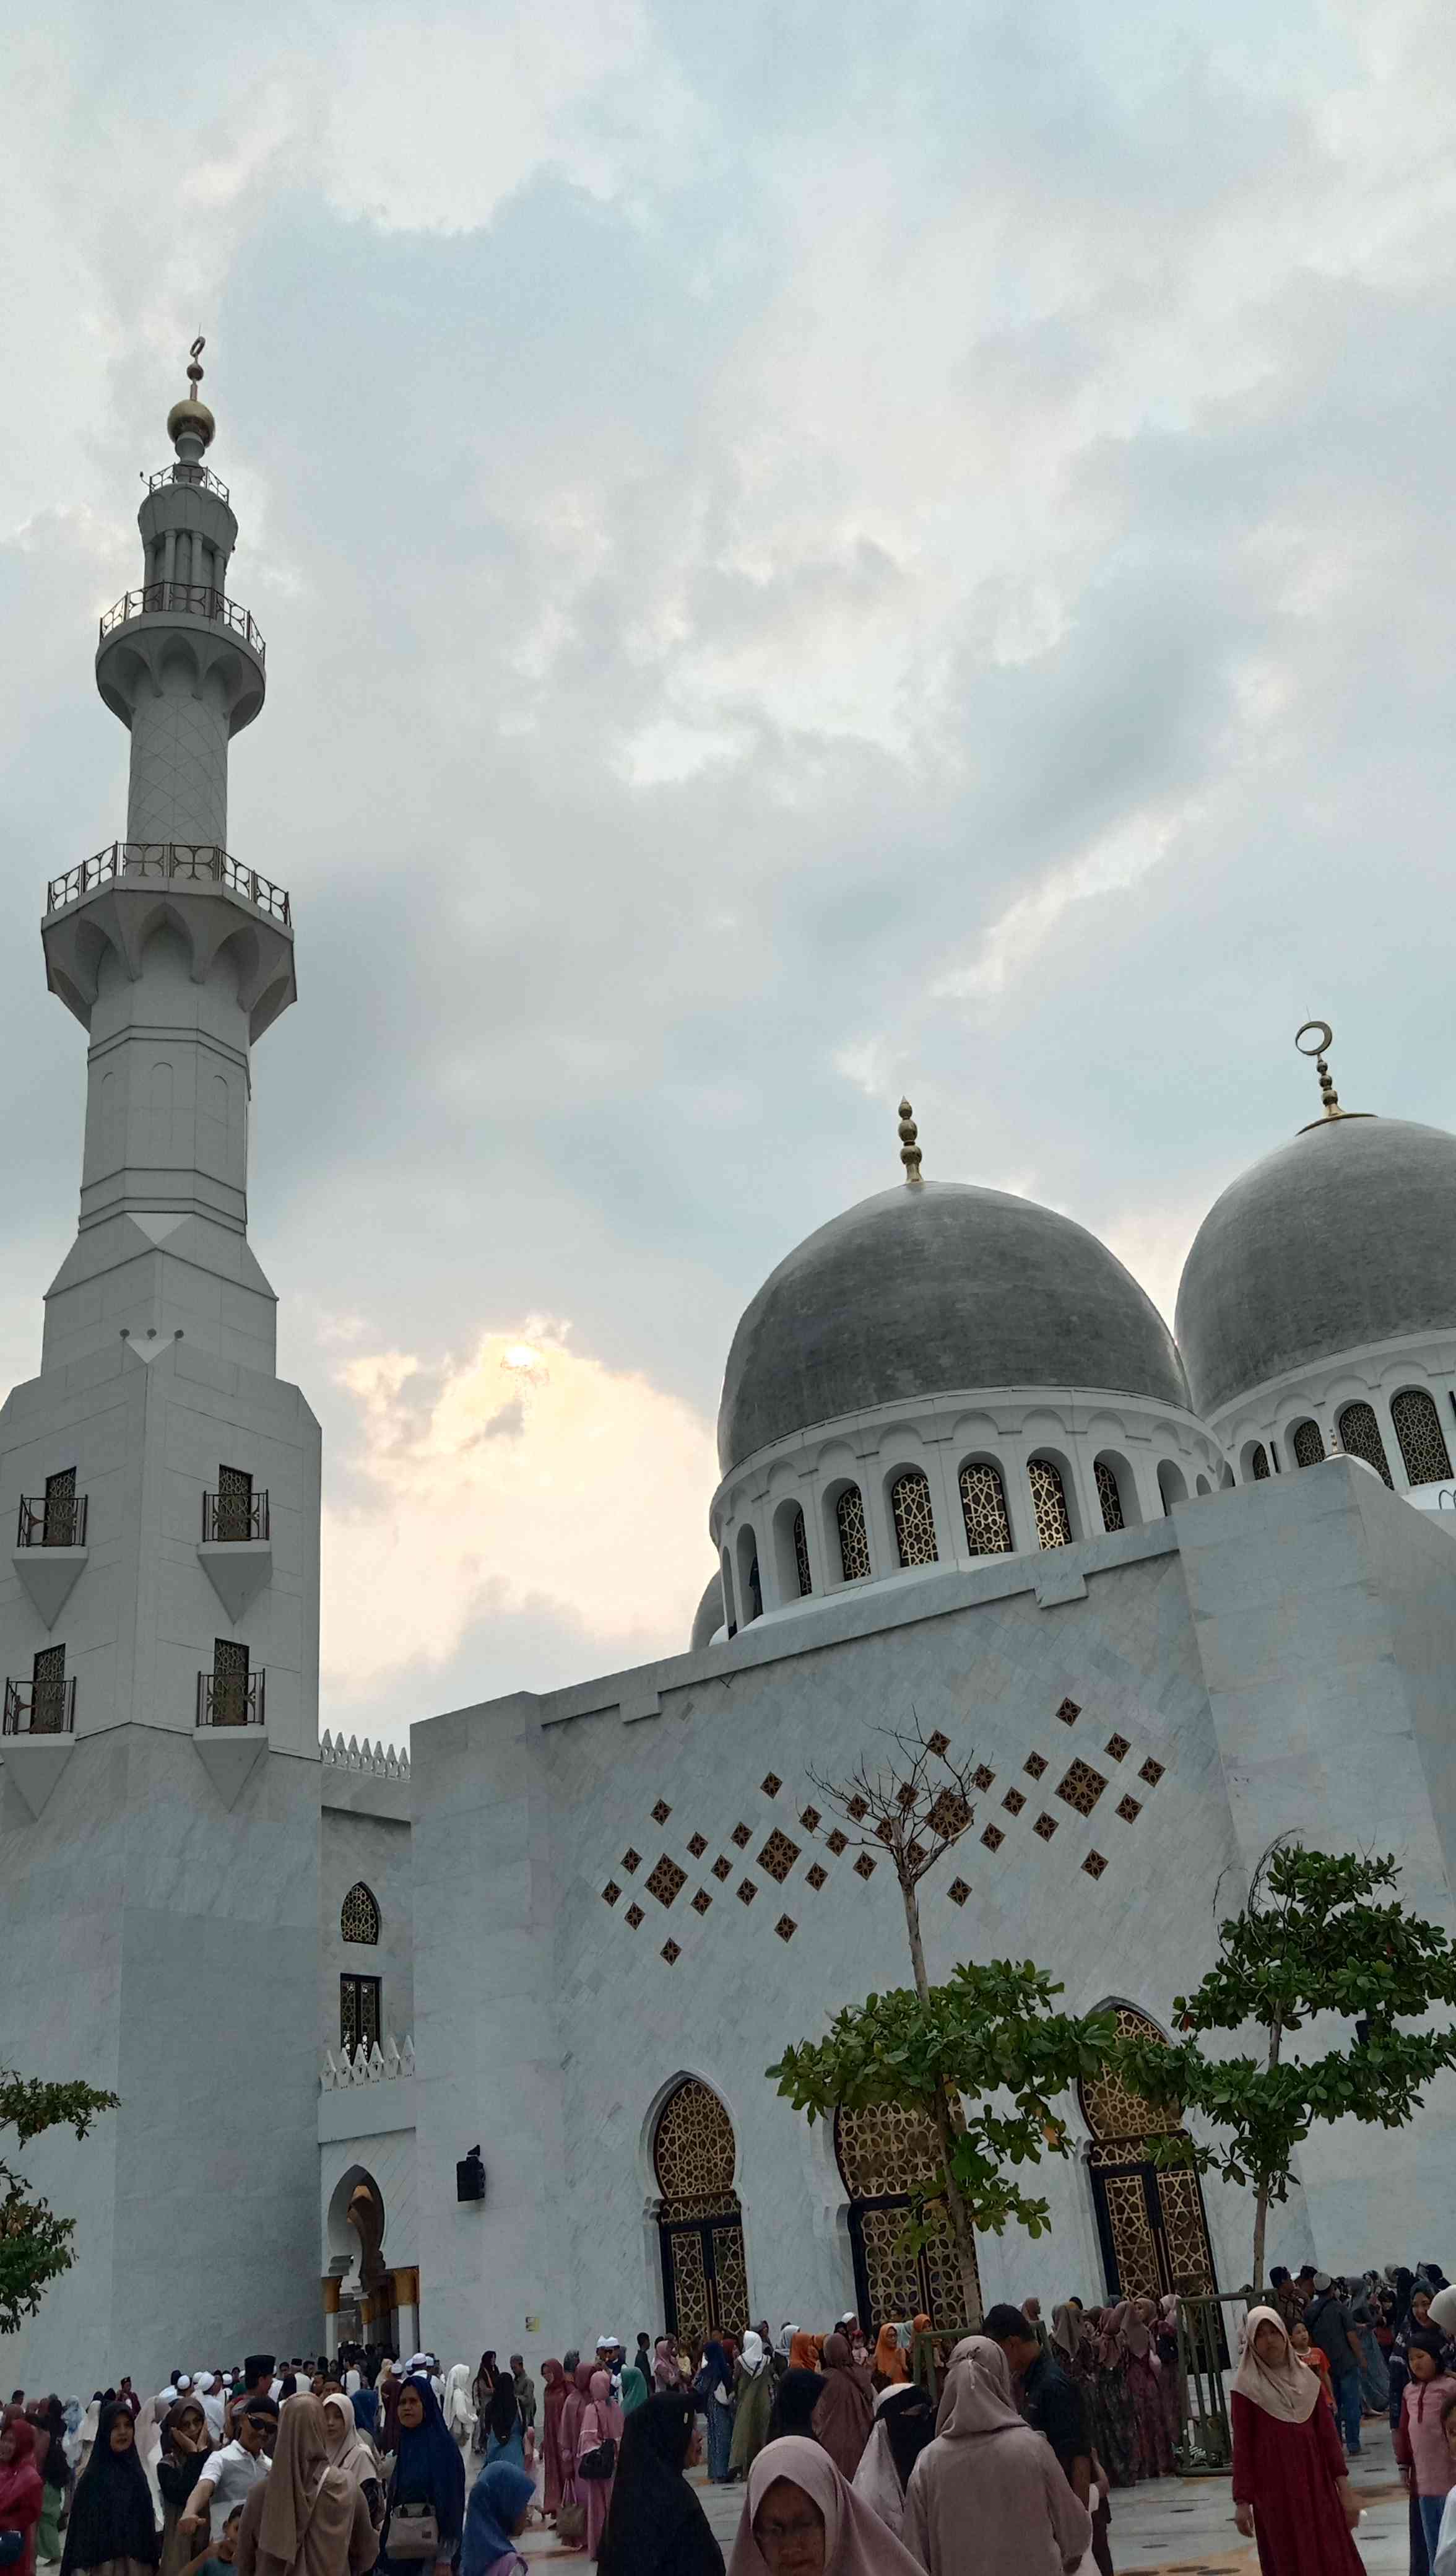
(185, 599)
(200, 477)
(40, 1708)
(200, 862)
(52, 1520)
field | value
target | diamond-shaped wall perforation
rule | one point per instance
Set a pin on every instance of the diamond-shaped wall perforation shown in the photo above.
(1151, 1771)
(741, 1835)
(816, 1876)
(1081, 1787)
(1069, 1712)
(697, 1845)
(1117, 1745)
(949, 1815)
(786, 1927)
(611, 1891)
(937, 1744)
(701, 1901)
(958, 1891)
(778, 1856)
(1129, 1810)
(661, 1812)
(865, 1866)
(671, 1953)
(634, 1916)
(993, 1838)
(770, 1784)
(1013, 1802)
(837, 1842)
(722, 1868)
(667, 1881)
(747, 1891)
(1094, 1864)
(984, 1775)
(1046, 1826)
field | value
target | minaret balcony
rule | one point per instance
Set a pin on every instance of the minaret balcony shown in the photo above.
(234, 1699)
(200, 477)
(232, 1519)
(184, 599)
(40, 1708)
(117, 900)
(197, 863)
(52, 1520)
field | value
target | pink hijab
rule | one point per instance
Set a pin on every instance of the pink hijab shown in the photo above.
(856, 2542)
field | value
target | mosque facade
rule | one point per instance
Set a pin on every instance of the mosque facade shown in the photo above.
(469, 2046)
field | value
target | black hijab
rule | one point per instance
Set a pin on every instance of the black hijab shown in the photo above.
(795, 2398)
(111, 2511)
(908, 2417)
(505, 2412)
(655, 2524)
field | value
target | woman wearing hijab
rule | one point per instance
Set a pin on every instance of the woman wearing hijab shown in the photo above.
(307, 2517)
(505, 2434)
(600, 2424)
(429, 2471)
(1374, 2376)
(754, 2405)
(497, 2514)
(799, 2513)
(1133, 2324)
(1291, 2482)
(111, 2511)
(1165, 2346)
(55, 2474)
(713, 2389)
(633, 2391)
(666, 2367)
(351, 2450)
(846, 2408)
(185, 2445)
(655, 2524)
(1416, 2320)
(21, 2497)
(458, 2406)
(553, 2404)
(889, 2368)
(987, 2474)
(576, 2398)
(904, 2424)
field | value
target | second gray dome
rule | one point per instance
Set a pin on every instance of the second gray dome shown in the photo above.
(923, 1291)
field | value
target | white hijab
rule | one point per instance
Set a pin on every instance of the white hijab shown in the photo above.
(458, 2406)
(1286, 2389)
(750, 2353)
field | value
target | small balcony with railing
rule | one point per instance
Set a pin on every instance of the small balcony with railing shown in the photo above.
(52, 1520)
(184, 599)
(236, 1547)
(230, 1519)
(40, 1707)
(200, 865)
(50, 1550)
(230, 1699)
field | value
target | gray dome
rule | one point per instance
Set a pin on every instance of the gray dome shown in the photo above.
(708, 1616)
(922, 1291)
(1344, 1237)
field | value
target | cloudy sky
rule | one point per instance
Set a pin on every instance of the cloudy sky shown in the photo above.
(805, 551)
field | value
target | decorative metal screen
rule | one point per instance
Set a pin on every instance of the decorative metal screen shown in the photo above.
(48, 1692)
(888, 2147)
(60, 1510)
(1109, 2106)
(358, 2011)
(1109, 1495)
(1360, 1438)
(1259, 1463)
(914, 1519)
(1309, 1444)
(1417, 1427)
(234, 1518)
(983, 1507)
(1049, 1502)
(854, 1544)
(885, 2153)
(694, 2151)
(704, 2272)
(229, 1682)
(359, 1915)
(801, 1556)
(1150, 2218)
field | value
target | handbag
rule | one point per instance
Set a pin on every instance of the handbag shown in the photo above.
(601, 2462)
(414, 2533)
(12, 2546)
(571, 2522)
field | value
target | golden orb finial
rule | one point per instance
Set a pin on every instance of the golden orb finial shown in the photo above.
(190, 425)
(909, 1150)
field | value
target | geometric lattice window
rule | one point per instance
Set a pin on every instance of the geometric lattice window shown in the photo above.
(983, 1505)
(914, 1519)
(1422, 1442)
(359, 1914)
(1082, 1787)
(1309, 1444)
(1109, 2106)
(801, 1556)
(358, 2011)
(1360, 1438)
(1259, 1463)
(1109, 1496)
(1049, 1502)
(854, 1545)
(694, 2152)
(888, 2147)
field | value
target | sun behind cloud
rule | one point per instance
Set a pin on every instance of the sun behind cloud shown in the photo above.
(531, 1476)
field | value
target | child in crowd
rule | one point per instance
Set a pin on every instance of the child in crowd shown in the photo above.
(1313, 2359)
(217, 2557)
(1421, 2444)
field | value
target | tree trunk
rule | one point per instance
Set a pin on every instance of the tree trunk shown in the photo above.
(1261, 2192)
(947, 2117)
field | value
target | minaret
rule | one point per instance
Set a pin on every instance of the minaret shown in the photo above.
(159, 1492)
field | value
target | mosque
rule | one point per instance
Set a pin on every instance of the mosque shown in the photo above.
(470, 2047)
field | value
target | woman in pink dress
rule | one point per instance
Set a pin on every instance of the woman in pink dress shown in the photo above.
(1291, 2482)
(1134, 2324)
(601, 2421)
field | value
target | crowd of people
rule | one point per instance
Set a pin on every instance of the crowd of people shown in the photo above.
(856, 2458)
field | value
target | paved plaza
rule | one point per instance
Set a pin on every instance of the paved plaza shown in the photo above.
(1169, 2526)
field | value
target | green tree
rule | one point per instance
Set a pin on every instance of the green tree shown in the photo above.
(1311, 1939)
(985, 2056)
(35, 2245)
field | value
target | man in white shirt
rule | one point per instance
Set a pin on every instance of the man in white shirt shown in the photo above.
(227, 2477)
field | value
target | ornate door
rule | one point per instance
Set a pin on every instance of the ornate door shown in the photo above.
(883, 2154)
(704, 2274)
(1151, 2221)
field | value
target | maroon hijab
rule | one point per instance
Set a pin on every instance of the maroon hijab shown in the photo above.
(846, 2410)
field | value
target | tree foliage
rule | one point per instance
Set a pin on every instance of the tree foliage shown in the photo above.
(35, 2245)
(1311, 1940)
(990, 2040)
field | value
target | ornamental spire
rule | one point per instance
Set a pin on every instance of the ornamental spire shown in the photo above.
(190, 425)
(909, 1150)
(1323, 1036)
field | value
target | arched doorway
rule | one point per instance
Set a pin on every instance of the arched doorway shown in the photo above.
(1152, 2223)
(700, 2225)
(884, 2155)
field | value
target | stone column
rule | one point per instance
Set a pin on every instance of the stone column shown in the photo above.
(407, 2309)
(329, 2289)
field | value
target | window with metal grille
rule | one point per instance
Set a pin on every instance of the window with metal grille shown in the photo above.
(801, 1556)
(854, 1543)
(1109, 1495)
(1422, 1442)
(229, 1682)
(1360, 1438)
(1259, 1463)
(358, 2011)
(48, 1691)
(359, 1914)
(60, 1509)
(983, 1509)
(1049, 1502)
(1309, 1444)
(914, 1519)
(234, 1503)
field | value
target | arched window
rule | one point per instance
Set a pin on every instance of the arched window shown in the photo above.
(1360, 1438)
(1422, 1441)
(1171, 1484)
(1109, 1495)
(700, 2227)
(854, 1543)
(1150, 2219)
(914, 1519)
(1049, 1502)
(983, 1508)
(359, 1914)
(886, 2154)
(1308, 1443)
(1259, 1463)
(750, 1588)
(801, 1555)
